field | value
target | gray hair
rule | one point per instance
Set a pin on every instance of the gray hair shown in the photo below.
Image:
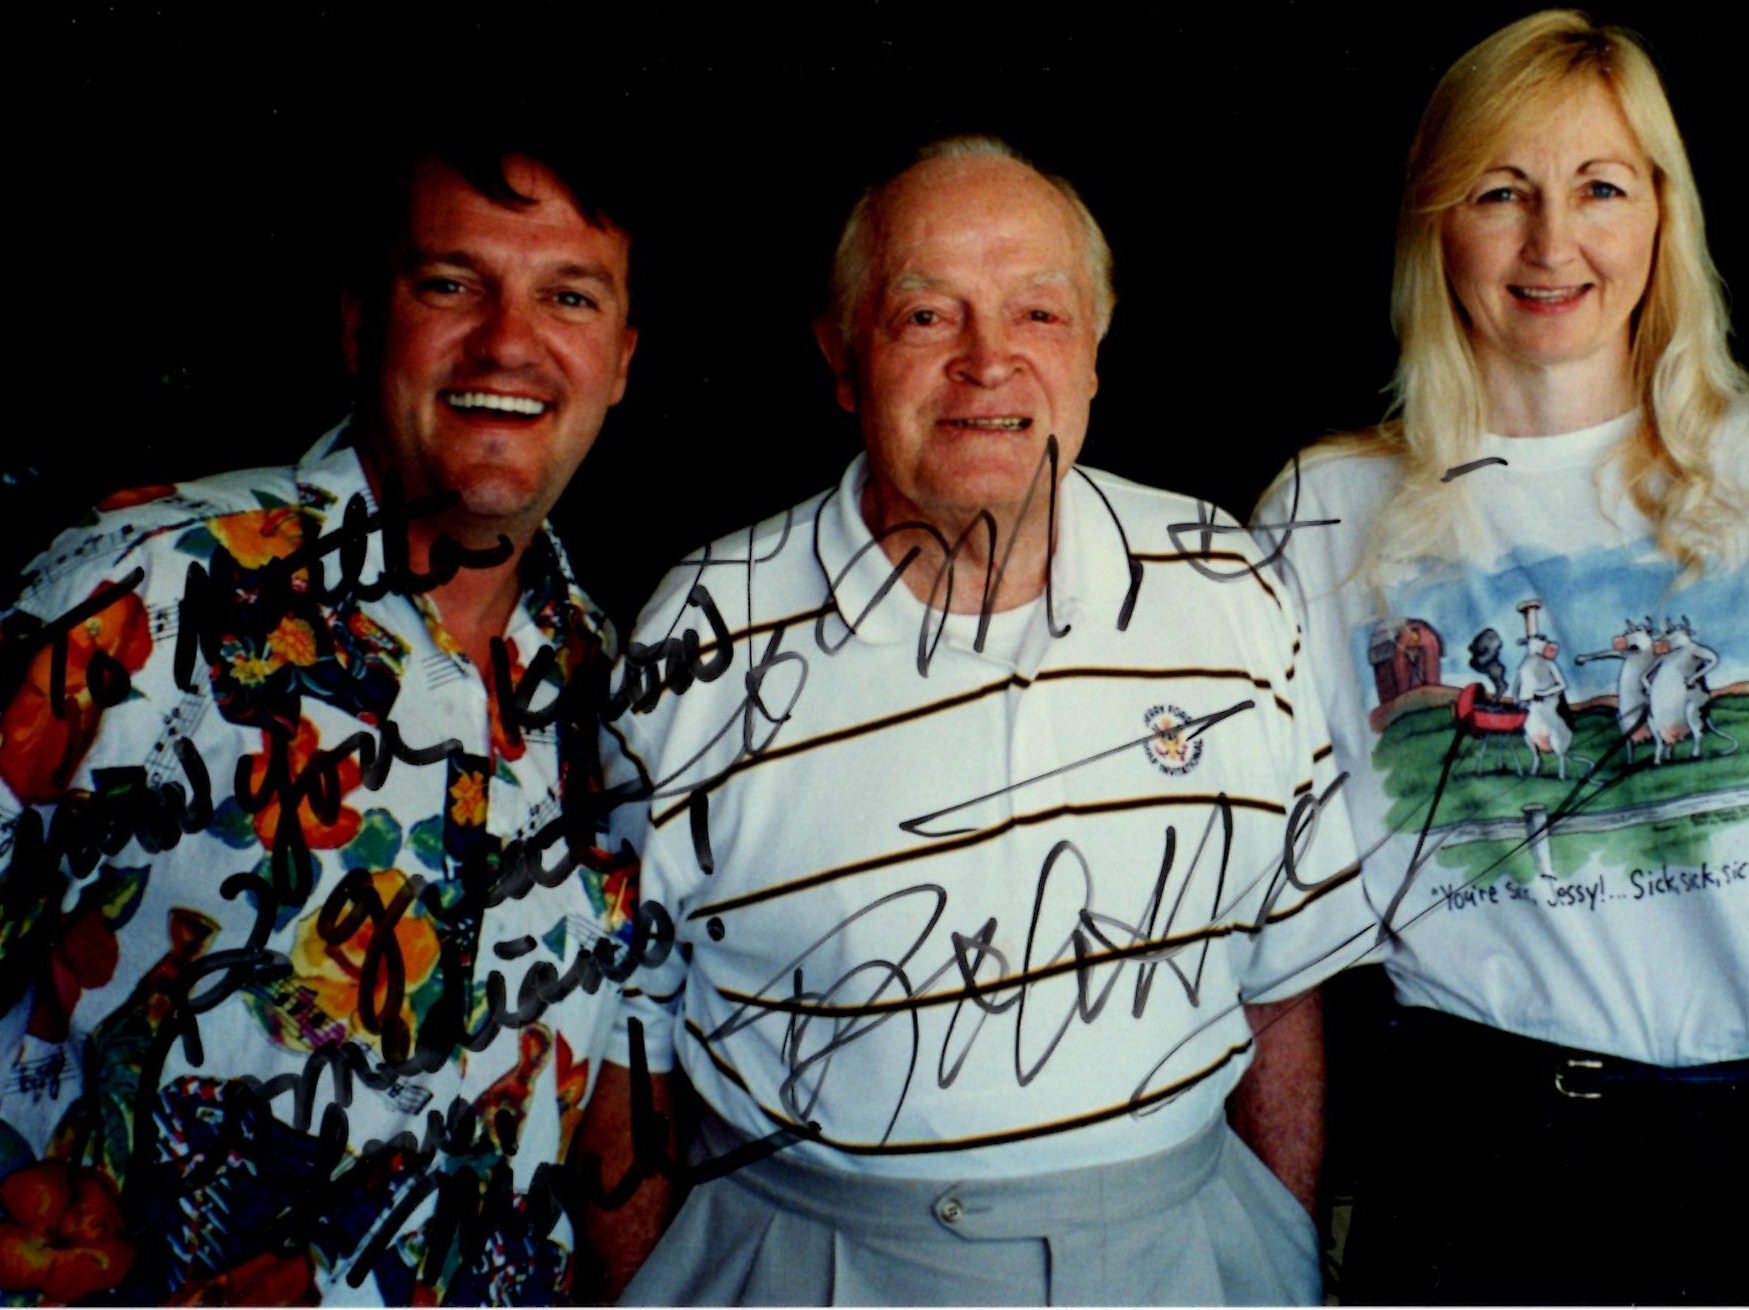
(852, 260)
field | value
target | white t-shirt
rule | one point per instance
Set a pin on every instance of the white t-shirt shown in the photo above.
(885, 820)
(1541, 871)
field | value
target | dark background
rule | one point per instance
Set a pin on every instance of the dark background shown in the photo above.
(182, 175)
(179, 194)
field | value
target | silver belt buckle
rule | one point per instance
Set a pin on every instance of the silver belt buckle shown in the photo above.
(1564, 1090)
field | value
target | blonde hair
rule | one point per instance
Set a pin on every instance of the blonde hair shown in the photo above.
(855, 252)
(1673, 469)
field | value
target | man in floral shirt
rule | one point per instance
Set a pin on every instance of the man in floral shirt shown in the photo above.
(306, 950)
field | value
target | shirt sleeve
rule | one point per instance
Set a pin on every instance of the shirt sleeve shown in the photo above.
(653, 993)
(1314, 919)
(74, 652)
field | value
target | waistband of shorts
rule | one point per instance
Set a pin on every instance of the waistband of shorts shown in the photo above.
(1026, 1205)
(1487, 1054)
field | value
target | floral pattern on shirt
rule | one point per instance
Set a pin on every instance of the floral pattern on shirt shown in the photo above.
(271, 991)
(42, 742)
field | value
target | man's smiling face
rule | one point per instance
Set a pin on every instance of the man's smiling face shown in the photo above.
(976, 341)
(504, 343)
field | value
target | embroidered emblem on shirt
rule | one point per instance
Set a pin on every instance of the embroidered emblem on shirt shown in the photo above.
(1171, 749)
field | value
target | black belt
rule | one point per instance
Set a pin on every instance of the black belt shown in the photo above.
(1439, 1040)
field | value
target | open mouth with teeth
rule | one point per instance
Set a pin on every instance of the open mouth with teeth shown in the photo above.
(1549, 297)
(494, 404)
(1004, 423)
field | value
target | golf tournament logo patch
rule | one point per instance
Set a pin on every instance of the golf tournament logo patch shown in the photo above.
(1173, 748)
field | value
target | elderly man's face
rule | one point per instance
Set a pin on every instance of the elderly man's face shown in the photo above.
(975, 341)
(504, 344)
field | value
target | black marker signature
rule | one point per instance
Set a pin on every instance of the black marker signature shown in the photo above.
(1198, 899)
(1206, 527)
(1077, 948)
(203, 609)
(1187, 731)
(1576, 801)
(105, 676)
(1452, 474)
(463, 1215)
(125, 808)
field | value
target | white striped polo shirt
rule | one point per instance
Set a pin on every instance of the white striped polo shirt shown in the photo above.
(958, 914)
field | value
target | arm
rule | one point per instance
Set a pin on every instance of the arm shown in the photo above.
(622, 1237)
(1278, 1106)
(1707, 660)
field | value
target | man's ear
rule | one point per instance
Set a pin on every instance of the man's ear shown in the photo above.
(351, 328)
(837, 353)
(629, 344)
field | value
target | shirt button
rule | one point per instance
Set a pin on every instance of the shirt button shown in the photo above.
(949, 1210)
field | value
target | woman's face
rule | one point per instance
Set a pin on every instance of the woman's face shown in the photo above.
(1550, 250)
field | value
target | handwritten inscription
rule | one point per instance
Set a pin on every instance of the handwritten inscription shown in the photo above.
(1186, 911)
(1089, 946)
(936, 962)
(1458, 471)
(126, 808)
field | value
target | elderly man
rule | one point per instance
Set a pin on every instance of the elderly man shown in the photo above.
(288, 1016)
(984, 805)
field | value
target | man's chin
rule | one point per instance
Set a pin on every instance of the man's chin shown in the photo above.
(493, 505)
(1001, 491)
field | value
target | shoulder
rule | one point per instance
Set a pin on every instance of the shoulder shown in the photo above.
(738, 595)
(1314, 520)
(142, 532)
(1153, 519)
(1142, 503)
(778, 552)
(547, 576)
(1158, 520)
(1186, 556)
(88, 651)
(1325, 503)
(1355, 470)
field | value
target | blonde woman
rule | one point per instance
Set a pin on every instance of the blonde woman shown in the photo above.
(1527, 605)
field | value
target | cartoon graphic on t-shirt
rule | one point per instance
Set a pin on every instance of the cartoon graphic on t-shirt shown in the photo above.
(1533, 705)
(1634, 647)
(1542, 769)
(1676, 687)
(1540, 688)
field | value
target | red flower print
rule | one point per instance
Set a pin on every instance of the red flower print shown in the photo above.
(61, 1234)
(318, 834)
(83, 957)
(39, 749)
(128, 497)
(265, 1279)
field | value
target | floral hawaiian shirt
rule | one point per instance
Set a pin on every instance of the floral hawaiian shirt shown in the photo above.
(305, 957)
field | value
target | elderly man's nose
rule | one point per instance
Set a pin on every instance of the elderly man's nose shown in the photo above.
(986, 357)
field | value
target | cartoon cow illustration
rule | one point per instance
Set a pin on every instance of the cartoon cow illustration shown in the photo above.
(1676, 688)
(1542, 689)
(1633, 647)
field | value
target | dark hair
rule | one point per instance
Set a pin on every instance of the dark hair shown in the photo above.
(591, 172)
